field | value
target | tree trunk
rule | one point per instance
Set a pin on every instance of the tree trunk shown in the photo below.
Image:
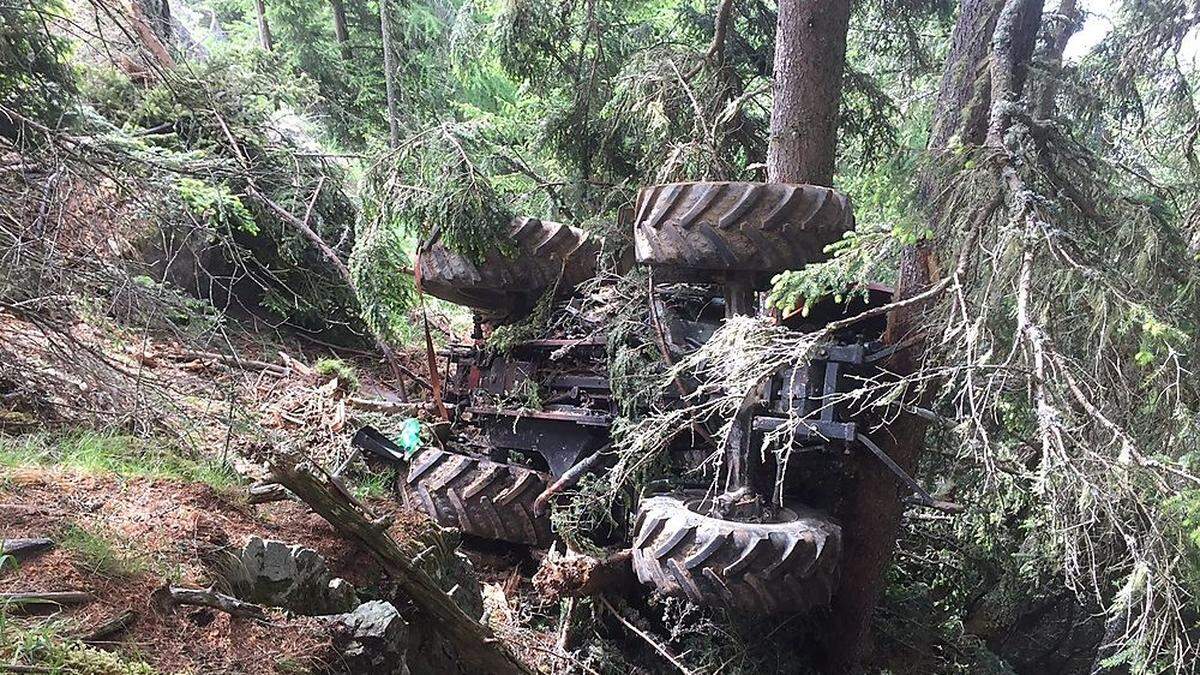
(158, 14)
(152, 23)
(339, 28)
(1069, 20)
(264, 30)
(965, 93)
(1012, 50)
(478, 649)
(389, 72)
(810, 55)
(874, 502)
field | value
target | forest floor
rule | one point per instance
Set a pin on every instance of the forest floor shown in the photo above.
(130, 513)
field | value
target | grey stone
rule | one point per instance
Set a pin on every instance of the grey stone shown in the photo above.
(371, 639)
(293, 577)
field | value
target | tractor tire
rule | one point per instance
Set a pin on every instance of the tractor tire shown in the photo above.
(501, 288)
(790, 565)
(693, 230)
(478, 496)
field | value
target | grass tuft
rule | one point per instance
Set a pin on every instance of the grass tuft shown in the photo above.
(42, 648)
(97, 555)
(123, 455)
(374, 485)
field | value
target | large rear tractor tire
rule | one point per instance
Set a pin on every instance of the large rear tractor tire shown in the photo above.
(505, 288)
(478, 496)
(692, 230)
(789, 565)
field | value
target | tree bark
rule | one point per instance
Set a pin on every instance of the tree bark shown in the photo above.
(1045, 88)
(1012, 50)
(874, 503)
(148, 20)
(810, 56)
(264, 30)
(21, 549)
(389, 73)
(35, 601)
(339, 28)
(157, 14)
(965, 91)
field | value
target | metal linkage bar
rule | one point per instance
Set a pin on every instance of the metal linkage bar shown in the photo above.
(923, 498)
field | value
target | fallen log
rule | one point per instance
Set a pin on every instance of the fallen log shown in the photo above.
(109, 628)
(24, 548)
(27, 600)
(474, 642)
(232, 362)
(168, 597)
(575, 575)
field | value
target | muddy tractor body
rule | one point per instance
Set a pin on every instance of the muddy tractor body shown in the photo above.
(538, 415)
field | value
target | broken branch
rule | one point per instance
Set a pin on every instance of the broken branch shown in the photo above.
(109, 628)
(23, 548)
(23, 601)
(474, 642)
(168, 597)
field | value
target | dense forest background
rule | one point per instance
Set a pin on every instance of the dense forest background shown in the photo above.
(192, 165)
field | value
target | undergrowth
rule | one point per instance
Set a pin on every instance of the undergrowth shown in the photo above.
(344, 372)
(100, 555)
(43, 648)
(126, 456)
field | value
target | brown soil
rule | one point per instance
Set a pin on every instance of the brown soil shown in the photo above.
(167, 528)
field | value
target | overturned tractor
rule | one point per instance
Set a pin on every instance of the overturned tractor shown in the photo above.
(723, 542)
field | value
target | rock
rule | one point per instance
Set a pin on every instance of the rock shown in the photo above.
(371, 639)
(290, 576)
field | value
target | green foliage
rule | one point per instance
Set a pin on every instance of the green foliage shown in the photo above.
(385, 293)
(532, 327)
(344, 372)
(440, 183)
(375, 485)
(853, 264)
(35, 79)
(44, 646)
(223, 112)
(216, 206)
(887, 218)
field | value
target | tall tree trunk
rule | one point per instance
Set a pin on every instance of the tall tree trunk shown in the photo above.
(1012, 50)
(152, 23)
(389, 72)
(339, 28)
(810, 55)
(874, 502)
(1068, 20)
(964, 96)
(264, 30)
